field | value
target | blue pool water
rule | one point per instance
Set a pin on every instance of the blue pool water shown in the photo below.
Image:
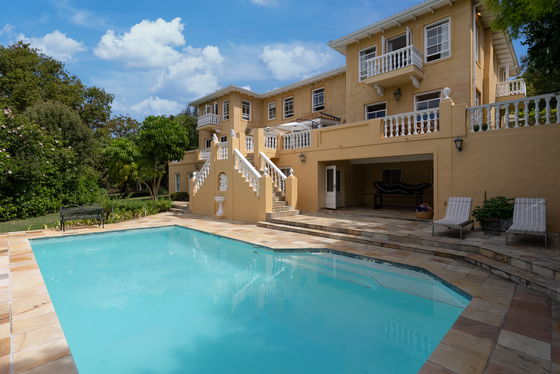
(174, 300)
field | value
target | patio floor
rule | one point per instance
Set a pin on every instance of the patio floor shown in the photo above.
(506, 328)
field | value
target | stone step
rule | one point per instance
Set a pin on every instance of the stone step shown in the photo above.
(279, 203)
(282, 208)
(179, 210)
(179, 204)
(286, 213)
(442, 252)
(525, 278)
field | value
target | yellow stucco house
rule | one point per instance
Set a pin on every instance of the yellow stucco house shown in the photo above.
(426, 96)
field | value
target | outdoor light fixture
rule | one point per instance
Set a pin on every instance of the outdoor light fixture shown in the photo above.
(458, 143)
(397, 94)
(301, 158)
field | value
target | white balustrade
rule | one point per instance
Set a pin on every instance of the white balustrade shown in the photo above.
(249, 144)
(208, 119)
(222, 151)
(393, 60)
(270, 141)
(204, 154)
(278, 178)
(248, 171)
(511, 87)
(530, 111)
(201, 176)
(300, 139)
(413, 123)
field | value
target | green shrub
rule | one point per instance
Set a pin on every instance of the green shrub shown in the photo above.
(497, 207)
(180, 196)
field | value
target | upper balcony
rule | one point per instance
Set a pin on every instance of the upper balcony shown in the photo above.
(395, 68)
(511, 88)
(209, 119)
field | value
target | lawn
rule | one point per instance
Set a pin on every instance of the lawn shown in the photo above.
(125, 209)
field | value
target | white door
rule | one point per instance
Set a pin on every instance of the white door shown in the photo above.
(331, 187)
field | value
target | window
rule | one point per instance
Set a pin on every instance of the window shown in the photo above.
(377, 110)
(365, 55)
(208, 143)
(425, 101)
(318, 97)
(177, 182)
(246, 110)
(215, 108)
(271, 111)
(395, 43)
(391, 176)
(477, 98)
(476, 41)
(223, 139)
(437, 41)
(207, 109)
(288, 107)
(225, 110)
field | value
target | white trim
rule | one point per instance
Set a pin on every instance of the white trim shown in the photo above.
(360, 62)
(376, 103)
(224, 110)
(284, 107)
(250, 114)
(177, 182)
(387, 40)
(313, 96)
(268, 110)
(424, 93)
(206, 144)
(433, 24)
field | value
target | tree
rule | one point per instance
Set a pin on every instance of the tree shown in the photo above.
(121, 127)
(537, 21)
(120, 157)
(95, 110)
(159, 140)
(27, 76)
(58, 118)
(188, 119)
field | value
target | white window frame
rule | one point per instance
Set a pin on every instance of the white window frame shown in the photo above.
(425, 93)
(476, 41)
(284, 107)
(177, 182)
(208, 142)
(374, 46)
(434, 24)
(271, 105)
(245, 116)
(393, 38)
(216, 106)
(377, 103)
(207, 109)
(313, 107)
(223, 139)
(225, 110)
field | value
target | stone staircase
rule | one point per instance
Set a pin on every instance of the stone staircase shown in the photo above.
(537, 273)
(180, 207)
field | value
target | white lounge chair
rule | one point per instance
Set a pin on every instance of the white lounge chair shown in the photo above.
(529, 218)
(457, 215)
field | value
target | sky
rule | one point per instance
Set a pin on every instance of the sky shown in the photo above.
(157, 56)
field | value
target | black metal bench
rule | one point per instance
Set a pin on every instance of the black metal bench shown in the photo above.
(75, 212)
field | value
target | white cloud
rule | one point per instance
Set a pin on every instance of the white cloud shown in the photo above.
(156, 106)
(7, 29)
(264, 2)
(146, 44)
(80, 17)
(55, 44)
(295, 61)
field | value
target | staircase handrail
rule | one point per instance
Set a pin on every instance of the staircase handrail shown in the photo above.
(247, 170)
(278, 178)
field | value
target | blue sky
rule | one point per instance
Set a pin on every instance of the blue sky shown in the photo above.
(156, 56)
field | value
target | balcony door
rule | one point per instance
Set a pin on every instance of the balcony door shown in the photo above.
(395, 43)
(333, 188)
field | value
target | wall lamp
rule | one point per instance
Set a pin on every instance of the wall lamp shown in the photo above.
(458, 143)
(397, 94)
(301, 158)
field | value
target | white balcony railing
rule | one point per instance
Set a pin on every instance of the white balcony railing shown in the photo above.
(278, 178)
(208, 119)
(300, 139)
(530, 111)
(222, 151)
(393, 60)
(413, 123)
(201, 176)
(270, 141)
(204, 154)
(247, 170)
(512, 87)
(249, 144)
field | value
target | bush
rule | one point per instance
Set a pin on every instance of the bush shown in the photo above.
(180, 196)
(499, 207)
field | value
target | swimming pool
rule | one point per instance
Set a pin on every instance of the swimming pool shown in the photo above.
(176, 300)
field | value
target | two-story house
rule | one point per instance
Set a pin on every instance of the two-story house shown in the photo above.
(426, 96)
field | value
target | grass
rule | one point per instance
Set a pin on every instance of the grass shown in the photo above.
(52, 220)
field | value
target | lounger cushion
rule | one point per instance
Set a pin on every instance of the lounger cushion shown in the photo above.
(529, 216)
(458, 212)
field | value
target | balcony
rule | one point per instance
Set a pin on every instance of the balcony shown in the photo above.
(209, 119)
(394, 68)
(511, 88)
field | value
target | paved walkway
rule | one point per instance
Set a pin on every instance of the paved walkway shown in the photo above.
(505, 329)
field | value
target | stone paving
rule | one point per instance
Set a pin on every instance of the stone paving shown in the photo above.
(506, 328)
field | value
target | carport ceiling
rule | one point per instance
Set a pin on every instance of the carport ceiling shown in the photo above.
(384, 160)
